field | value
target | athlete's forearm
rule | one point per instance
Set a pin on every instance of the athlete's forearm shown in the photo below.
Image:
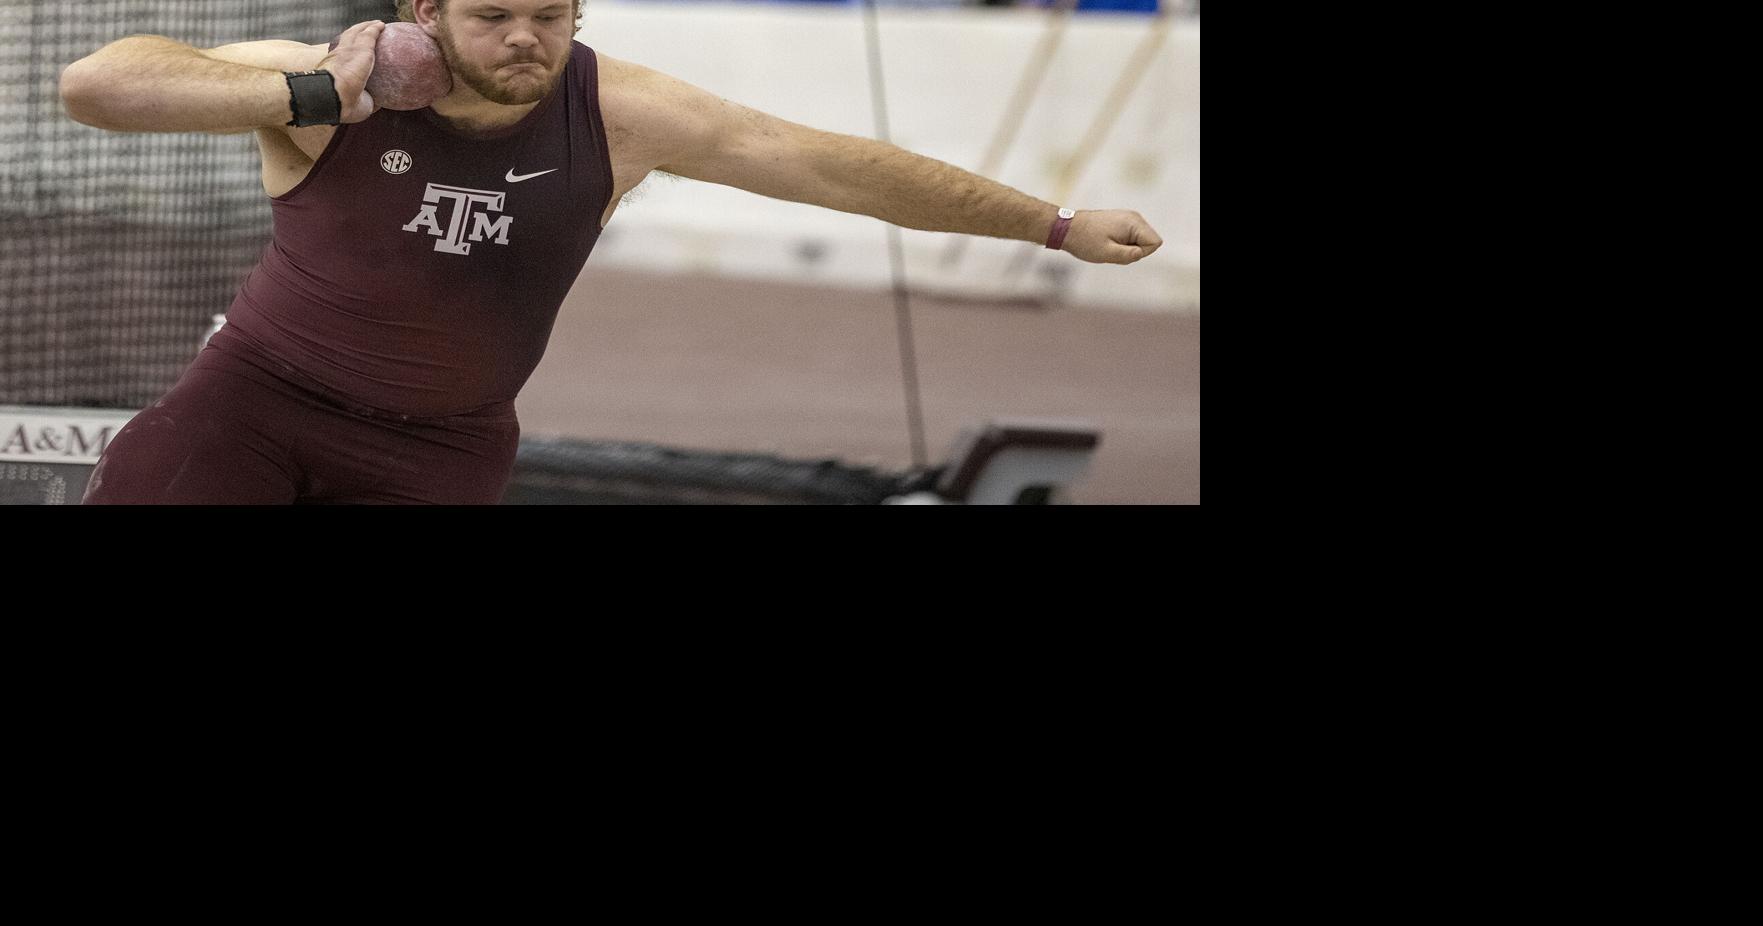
(869, 177)
(147, 83)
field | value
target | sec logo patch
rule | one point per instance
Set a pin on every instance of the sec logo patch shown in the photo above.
(396, 161)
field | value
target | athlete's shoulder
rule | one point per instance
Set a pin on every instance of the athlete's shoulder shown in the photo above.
(620, 74)
(657, 117)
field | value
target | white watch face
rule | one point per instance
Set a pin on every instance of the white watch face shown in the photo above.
(1067, 214)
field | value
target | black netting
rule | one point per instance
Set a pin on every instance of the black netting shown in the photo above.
(117, 249)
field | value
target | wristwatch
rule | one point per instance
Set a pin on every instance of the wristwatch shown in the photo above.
(1056, 237)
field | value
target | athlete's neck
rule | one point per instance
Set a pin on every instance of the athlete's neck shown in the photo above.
(476, 114)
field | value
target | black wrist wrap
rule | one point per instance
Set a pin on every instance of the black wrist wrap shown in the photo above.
(312, 96)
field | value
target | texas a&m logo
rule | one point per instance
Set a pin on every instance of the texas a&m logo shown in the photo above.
(470, 208)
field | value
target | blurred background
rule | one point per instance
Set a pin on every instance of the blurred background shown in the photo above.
(708, 318)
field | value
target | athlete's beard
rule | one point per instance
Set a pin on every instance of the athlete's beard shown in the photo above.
(484, 81)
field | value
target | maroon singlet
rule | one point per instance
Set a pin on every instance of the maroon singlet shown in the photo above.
(417, 270)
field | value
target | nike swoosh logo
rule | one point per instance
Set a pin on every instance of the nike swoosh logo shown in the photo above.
(513, 179)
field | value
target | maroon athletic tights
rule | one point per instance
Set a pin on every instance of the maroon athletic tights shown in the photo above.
(231, 432)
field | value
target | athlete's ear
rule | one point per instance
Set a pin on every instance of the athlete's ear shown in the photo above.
(428, 17)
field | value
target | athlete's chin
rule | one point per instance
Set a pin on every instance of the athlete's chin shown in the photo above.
(521, 85)
(518, 97)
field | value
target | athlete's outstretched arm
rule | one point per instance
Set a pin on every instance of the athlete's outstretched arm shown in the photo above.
(694, 134)
(148, 83)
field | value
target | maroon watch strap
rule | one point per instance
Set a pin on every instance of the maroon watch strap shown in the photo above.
(1061, 225)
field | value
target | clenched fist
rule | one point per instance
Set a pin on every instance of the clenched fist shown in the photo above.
(1110, 236)
(351, 63)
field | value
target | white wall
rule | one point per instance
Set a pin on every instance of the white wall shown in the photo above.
(949, 76)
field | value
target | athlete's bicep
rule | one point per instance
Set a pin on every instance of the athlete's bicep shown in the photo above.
(725, 142)
(670, 125)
